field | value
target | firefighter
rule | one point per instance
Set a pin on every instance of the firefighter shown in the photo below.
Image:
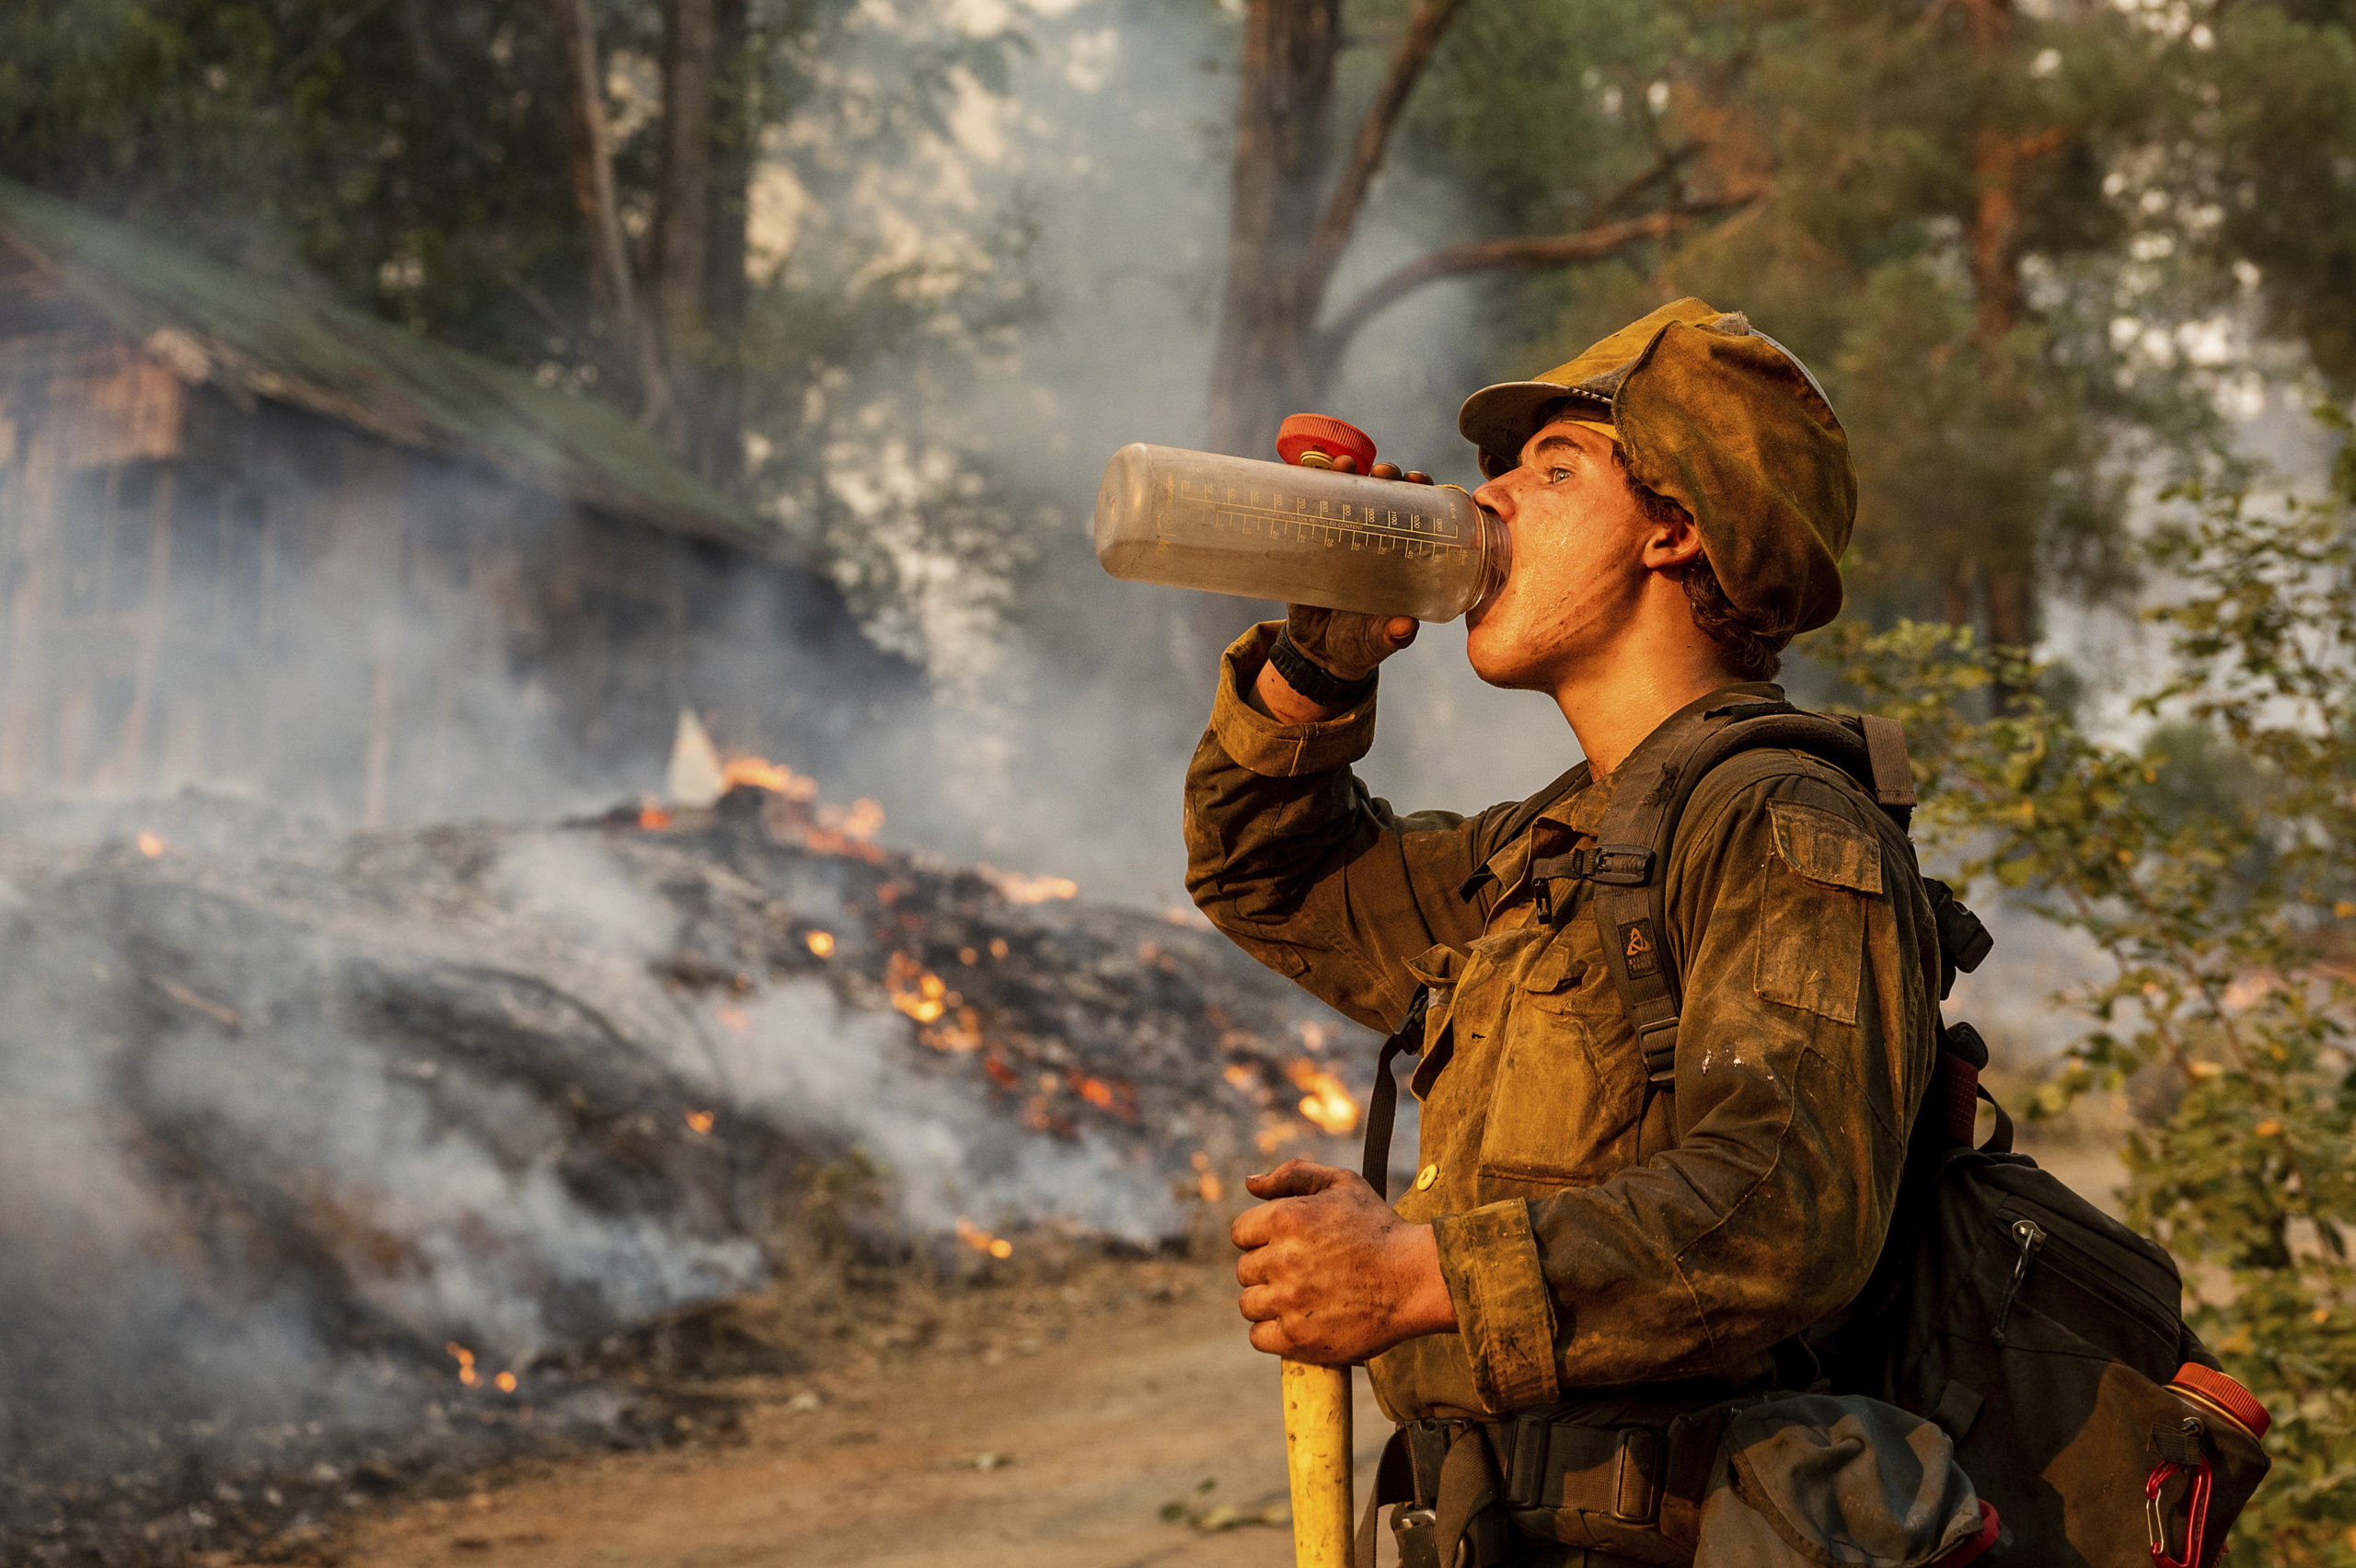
(1596, 1225)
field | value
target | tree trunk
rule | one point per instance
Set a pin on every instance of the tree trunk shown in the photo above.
(715, 444)
(629, 354)
(1282, 131)
(676, 271)
(1998, 305)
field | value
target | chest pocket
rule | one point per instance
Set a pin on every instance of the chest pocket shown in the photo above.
(1570, 1090)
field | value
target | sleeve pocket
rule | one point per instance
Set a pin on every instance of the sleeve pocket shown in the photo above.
(1825, 849)
(1812, 936)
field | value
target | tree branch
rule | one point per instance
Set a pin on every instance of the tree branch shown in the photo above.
(1525, 252)
(1426, 24)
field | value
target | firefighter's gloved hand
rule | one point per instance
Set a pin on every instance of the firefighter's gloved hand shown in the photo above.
(1330, 1272)
(1344, 644)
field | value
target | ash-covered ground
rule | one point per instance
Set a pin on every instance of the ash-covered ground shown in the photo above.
(331, 1162)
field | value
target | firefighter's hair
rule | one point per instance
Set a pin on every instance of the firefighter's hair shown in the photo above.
(1750, 652)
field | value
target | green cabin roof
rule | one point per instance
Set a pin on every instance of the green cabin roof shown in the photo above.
(259, 339)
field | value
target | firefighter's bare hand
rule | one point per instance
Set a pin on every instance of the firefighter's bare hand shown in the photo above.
(1329, 1273)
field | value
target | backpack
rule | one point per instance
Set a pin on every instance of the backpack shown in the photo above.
(2046, 1339)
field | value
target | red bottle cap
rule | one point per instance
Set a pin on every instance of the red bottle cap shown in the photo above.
(1316, 432)
(2227, 1395)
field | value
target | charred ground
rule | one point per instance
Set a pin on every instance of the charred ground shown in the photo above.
(344, 1163)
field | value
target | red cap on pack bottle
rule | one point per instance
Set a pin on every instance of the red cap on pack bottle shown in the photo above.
(2223, 1395)
(1304, 433)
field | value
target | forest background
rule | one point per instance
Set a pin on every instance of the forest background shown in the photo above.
(2080, 276)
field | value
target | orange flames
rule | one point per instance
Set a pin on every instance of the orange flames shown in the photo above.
(982, 1241)
(506, 1381)
(700, 1121)
(822, 943)
(794, 811)
(763, 774)
(1025, 888)
(1324, 1099)
(1207, 1181)
(150, 846)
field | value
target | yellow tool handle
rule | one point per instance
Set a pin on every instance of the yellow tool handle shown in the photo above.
(1317, 1453)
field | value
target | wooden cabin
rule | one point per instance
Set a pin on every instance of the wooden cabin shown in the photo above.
(257, 542)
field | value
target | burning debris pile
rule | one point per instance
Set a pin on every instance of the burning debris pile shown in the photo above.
(320, 1154)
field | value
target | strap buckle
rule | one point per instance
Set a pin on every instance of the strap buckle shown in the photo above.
(1638, 1482)
(1614, 865)
(1619, 865)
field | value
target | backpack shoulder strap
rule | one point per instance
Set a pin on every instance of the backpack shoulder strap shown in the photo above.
(1629, 861)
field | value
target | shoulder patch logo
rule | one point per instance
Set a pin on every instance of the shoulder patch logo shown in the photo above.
(1640, 948)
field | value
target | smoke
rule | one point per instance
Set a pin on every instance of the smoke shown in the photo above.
(297, 1130)
(1069, 704)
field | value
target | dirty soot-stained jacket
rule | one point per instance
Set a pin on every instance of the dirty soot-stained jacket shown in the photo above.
(1593, 1235)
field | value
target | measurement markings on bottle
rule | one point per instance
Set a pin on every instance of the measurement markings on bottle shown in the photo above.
(1193, 506)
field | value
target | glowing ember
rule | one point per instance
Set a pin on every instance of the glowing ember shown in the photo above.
(982, 1241)
(700, 1121)
(1118, 1099)
(1324, 1101)
(1239, 1075)
(506, 1381)
(916, 990)
(997, 947)
(652, 817)
(1275, 1136)
(822, 943)
(958, 1034)
(1207, 1180)
(1315, 1036)
(1024, 889)
(466, 1360)
(150, 846)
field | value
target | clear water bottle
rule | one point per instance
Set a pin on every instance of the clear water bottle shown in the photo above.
(1307, 531)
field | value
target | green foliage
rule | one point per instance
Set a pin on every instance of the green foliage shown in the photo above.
(2209, 864)
(2008, 250)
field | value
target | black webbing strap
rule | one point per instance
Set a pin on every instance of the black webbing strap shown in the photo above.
(1628, 867)
(1382, 1106)
(2179, 1442)
(1442, 1470)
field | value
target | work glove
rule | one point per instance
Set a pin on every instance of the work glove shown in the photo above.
(1344, 643)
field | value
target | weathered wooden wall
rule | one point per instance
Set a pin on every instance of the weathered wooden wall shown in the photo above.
(264, 601)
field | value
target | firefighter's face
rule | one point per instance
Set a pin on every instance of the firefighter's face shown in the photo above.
(1582, 560)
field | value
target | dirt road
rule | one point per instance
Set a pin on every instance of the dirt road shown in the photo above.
(1042, 1419)
(1045, 1426)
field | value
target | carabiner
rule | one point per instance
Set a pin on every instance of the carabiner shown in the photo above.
(2195, 1498)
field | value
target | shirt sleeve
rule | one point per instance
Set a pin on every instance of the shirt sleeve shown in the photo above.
(1290, 856)
(1805, 1043)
